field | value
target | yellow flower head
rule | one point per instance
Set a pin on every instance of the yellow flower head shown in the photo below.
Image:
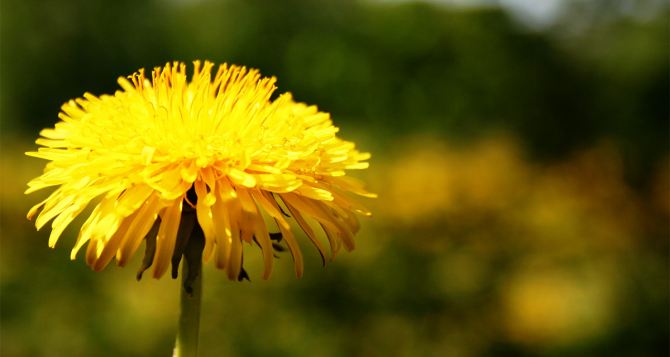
(165, 157)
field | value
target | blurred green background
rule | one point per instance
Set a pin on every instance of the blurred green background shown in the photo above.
(520, 152)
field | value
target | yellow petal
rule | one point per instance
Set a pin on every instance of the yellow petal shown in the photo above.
(309, 231)
(294, 248)
(223, 233)
(241, 178)
(140, 226)
(112, 246)
(350, 184)
(314, 193)
(64, 219)
(235, 259)
(204, 215)
(260, 231)
(167, 237)
(270, 206)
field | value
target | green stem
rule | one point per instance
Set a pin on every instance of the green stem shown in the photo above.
(189, 318)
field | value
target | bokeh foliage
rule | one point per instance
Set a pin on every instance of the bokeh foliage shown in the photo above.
(523, 177)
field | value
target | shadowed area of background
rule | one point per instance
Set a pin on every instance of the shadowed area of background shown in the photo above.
(520, 154)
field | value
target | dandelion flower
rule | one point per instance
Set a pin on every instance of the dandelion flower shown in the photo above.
(165, 156)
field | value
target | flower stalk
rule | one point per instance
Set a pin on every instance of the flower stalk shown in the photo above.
(189, 320)
(186, 344)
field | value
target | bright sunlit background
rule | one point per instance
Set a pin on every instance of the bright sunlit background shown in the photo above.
(520, 153)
